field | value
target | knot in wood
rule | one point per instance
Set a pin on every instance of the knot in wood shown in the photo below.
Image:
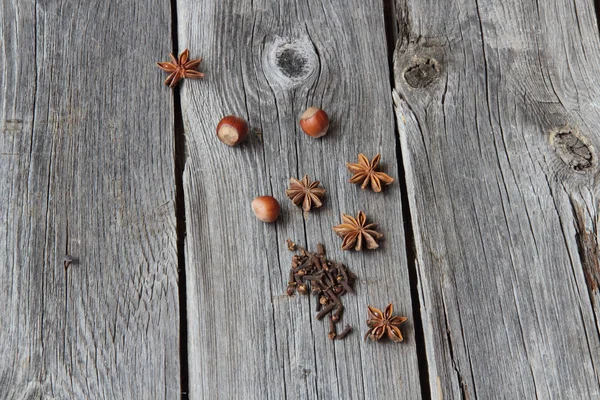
(574, 150)
(290, 61)
(422, 72)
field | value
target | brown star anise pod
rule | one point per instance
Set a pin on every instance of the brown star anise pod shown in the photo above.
(356, 230)
(381, 323)
(180, 68)
(305, 193)
(365, 171)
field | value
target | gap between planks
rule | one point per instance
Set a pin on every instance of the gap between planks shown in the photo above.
(391, 34)
(179, 158)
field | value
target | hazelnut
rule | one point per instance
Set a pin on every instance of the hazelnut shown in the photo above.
(232, 130)
(314, 122)
(266, 208)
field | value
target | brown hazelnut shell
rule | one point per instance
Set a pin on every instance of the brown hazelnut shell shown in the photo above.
(266, 208)
(314, 122)
(232, 130)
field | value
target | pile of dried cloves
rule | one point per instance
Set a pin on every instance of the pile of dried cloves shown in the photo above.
(325, 279)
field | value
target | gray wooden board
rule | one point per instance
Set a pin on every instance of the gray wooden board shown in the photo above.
(87, 168)
(267, 61)
(498, 113)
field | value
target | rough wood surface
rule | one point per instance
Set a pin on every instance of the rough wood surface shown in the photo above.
(86, 161)
(497, 106)
(268, 61)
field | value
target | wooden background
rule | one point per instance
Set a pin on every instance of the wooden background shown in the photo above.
(486, 113)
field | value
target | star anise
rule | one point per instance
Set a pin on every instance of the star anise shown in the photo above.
(381, 323)
(304, 193)
(356, 230)
(180, 68)
(365, 171)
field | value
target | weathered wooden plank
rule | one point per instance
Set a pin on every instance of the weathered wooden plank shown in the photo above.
(497, 105)
(86, 155)
(267, 61)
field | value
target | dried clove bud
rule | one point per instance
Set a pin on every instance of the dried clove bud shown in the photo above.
(302, 288)
(332, 334)
(344, 333)
(291, 289)
(291, 246)
(325, 311)
(338, 313)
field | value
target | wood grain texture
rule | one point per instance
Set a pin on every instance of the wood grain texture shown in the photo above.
(497, 106)
(86, 155)
(268, 61)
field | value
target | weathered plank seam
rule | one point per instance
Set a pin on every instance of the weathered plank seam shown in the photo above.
(403, 21)
(408, 177)
(391, 35)
(422, 136)
(310, 305)
(459, 377)
(261, 140)
(574, 271)
(463, 384)
(33, 120)
(319, 58)
(583, 236)
(276, 233)
(460, 319)
(414, 273)
(165, 376)
(590, 294)
(573, 79)
(538, 196)
(268, 176)
(533, 380)
(587, 341)
(597, 12)
(507, 192)
(579, 30)
(273, 313)
(241, 68)
(512, 264)
(45, 251)
(179, 163)
(35, 85)
(312, 330)
(297, 147)
(462, 329)
(583, 258)
(505, 146)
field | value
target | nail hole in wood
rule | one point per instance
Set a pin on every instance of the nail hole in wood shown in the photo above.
(574, 150)
(422, 72)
